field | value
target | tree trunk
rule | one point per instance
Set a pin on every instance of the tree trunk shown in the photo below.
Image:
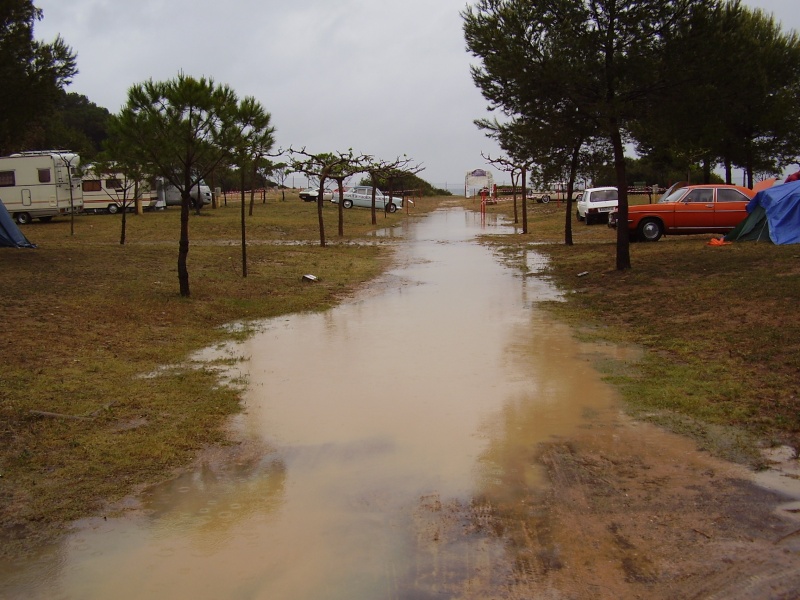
(340, 183)
(320, 200)
(213, 191)
(374, 192)
(137, 200)
(244, 236)
(252, 191)
(573, 173)
(514, 181)
(623, 239)
(524, 202)
(183, 245)
(124, 216)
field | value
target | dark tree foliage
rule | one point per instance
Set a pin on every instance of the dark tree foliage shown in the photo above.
(77, 124)
(549, 61)
(33, 75)
(406, 181)
(734, 79)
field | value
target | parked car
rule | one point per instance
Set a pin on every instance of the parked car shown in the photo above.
(595, 204)
(712, 208)
(361, 195)
(310, 194)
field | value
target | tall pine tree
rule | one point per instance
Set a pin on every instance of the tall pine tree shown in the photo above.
(33, 73)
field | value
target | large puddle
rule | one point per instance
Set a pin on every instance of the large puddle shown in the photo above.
(425, 394)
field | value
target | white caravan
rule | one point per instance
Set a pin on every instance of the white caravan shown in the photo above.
(40, 185)
(109, 192)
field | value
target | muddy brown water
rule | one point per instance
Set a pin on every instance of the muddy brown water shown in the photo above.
(389, 421)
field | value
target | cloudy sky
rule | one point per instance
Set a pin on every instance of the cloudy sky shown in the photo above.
(383, 77)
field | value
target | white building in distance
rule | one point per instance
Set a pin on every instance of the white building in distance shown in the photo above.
(476, 180)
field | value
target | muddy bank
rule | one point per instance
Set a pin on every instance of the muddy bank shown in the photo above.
(628, 511)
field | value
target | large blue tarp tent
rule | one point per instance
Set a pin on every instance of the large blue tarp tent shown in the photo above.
(10, 235)
(774, 214)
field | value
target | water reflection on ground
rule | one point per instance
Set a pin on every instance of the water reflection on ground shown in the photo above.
(411, 402)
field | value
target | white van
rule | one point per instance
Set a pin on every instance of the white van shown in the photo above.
(595, 204)
(40, 185)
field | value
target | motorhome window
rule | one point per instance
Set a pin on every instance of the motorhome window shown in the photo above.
(7, 179)
(91, 185)
(113, 184)
(44, 175)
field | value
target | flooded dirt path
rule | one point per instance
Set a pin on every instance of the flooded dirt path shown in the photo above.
(437, 437)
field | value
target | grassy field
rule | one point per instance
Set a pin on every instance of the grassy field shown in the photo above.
(86, 318)
(718, 326)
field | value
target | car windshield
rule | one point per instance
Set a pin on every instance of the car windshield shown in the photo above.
(674, 196)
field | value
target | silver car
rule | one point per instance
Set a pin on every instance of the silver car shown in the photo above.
(361, 195)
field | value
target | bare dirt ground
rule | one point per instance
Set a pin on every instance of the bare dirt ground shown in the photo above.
(637, 514)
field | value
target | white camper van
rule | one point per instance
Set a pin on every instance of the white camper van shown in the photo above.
(40, 185)
(109, 192)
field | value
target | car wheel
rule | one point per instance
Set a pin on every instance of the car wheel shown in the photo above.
(545, 199)
(589, 220)
(392, 207)
(650, 230)
(113, 209)
(22, 218)
(347, 204)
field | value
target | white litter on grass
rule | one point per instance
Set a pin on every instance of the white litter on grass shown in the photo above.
(310, 278)
(583, 274)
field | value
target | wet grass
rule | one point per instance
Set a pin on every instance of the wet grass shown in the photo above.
(718, 325)
(86, 319)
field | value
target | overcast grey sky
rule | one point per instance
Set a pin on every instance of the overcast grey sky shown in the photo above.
(383, 77)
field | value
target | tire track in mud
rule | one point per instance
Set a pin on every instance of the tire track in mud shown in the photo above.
(631, 520)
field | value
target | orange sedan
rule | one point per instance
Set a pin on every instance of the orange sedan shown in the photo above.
(711, 208)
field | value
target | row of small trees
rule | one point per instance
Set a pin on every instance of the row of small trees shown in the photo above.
(340, 166)
(687, 81)
(181, 130)
(184, 129)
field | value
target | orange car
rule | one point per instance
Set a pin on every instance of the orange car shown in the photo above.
(711, 208)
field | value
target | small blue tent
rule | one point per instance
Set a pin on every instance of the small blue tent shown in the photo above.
(10, 235)
(774, 214)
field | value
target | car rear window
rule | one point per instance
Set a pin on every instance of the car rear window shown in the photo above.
(604, 196)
